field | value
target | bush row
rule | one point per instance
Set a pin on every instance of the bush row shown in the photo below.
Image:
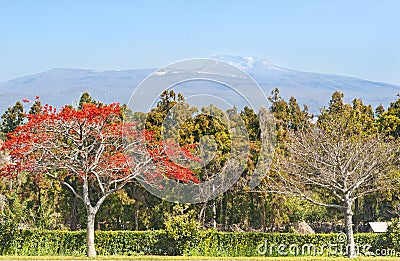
(206, 243)
(282, 244)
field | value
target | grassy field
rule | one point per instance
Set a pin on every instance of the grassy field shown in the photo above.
(193, 258)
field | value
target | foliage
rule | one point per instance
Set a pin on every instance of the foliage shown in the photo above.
(389, 121)
(182, 228)
(391, 238)
(209, 243)
(86, 144)
(7, 233)
(12, 118)
(37, 201)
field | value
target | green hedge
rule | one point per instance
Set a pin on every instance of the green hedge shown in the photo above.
(247, 244)
(53, 242)
(208, 243)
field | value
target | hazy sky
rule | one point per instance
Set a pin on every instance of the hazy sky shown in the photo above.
(353, 38)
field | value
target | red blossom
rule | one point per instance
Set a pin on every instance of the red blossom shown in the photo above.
(86, 143)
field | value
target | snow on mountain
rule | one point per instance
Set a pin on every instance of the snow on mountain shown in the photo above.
(64, 86)
(313, 89)
(246, 63)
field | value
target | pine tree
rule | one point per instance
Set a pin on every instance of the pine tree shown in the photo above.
(86, 98)
(12, 118)
(389, 121)
(379, 110)
(36, 107)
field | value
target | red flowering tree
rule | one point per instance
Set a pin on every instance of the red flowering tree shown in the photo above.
(87, 145)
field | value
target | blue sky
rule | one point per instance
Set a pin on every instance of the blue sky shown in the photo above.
(354, 38)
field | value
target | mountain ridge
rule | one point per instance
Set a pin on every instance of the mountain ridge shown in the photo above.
(61, 86)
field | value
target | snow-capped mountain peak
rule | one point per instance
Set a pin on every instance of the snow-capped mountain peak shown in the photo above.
(60, 86)
(248, 62)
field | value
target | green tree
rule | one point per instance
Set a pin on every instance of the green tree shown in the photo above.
(389, 121)
(36, 107)
(379, 111)
(12, 118)
(288, 116)
(85, 99)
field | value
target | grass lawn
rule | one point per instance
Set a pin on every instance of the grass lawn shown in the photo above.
(192, 258)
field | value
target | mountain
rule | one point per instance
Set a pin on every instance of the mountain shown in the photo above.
(64, 86)
(313, 89)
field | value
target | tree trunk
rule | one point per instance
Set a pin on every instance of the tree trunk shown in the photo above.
(91, 250)
(356, 216)
(137, 219)
(214, 217)
(224, 208)
(202, 214)
(348, 221)
(74, 214)
(214, 210)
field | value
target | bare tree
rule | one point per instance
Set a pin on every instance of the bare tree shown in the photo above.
(331, 165)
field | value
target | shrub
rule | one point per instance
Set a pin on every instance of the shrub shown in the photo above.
(178, 238)
(7, 234)
(182, 229)
(391, 239)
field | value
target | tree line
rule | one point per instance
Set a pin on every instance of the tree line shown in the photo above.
(40, 202)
